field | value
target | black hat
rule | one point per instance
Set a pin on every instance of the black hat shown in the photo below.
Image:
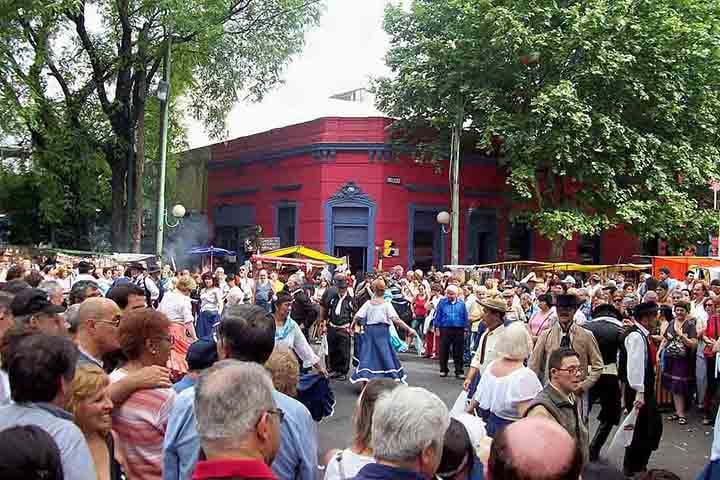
(341, 283)
(153, 267)
(202, 354)
(31, 301)
(606, 310)
(566, 301)
(84, 264)
(137, 266)
(645, 308)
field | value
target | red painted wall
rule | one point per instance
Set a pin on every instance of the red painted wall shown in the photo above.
(320, 179)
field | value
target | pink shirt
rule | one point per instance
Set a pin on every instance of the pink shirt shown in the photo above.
(540, 321)
(139, 425)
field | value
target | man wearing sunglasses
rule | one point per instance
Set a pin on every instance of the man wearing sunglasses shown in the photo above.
(99, 319)
(558, 401)
(240, 439)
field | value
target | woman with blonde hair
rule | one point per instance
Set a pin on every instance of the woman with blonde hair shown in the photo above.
(177, 307)
(374, 350)
(88, 400)
(507, 386)
(284, 369)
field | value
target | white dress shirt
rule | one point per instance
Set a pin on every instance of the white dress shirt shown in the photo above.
(177, 307)
(636, 347)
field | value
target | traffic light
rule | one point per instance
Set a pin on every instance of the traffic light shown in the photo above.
(387, 248)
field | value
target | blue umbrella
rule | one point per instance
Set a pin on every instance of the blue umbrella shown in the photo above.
(212, 251)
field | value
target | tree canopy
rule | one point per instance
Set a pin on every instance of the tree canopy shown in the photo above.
(77, 78)
(603, 112)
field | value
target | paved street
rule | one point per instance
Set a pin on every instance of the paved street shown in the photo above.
(684, 450)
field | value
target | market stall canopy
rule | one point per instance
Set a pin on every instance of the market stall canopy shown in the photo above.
(305, 252)
(212, 251)
(577, 267)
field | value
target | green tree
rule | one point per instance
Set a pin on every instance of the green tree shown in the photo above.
(93, 65)
(604, 113)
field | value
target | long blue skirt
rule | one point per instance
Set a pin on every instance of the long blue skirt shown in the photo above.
(205, 323)
(376, 357)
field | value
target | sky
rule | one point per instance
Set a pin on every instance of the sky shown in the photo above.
(341, 54)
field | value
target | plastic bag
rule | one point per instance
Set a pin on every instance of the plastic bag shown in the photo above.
(615, 452)
(460, 405)
(323, 346)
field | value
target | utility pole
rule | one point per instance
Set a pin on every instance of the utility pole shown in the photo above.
(164, 95)
(455, 183)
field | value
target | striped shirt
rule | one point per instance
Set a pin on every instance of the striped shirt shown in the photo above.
(140, 425)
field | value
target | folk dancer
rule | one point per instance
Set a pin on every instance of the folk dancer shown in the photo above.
(636, 370)
(607, 327)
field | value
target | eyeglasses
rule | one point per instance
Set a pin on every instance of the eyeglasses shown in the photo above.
(574, 370)
(279, 413)
(115, 322)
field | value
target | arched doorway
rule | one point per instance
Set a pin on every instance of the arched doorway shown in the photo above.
(350, 227)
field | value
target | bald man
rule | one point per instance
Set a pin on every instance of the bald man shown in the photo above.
(515, 453)
(97, 336)
(97, 332)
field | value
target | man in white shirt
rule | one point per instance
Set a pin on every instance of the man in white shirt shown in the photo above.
(637, 372)
(85, 270)
(144, 281)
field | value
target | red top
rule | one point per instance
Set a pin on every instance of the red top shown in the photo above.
(231, 468)
(420, 306)
(712, 331)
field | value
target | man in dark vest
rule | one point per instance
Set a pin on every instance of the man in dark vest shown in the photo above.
(557, 400)
(637, 371)
(607, 327)
(340, 315)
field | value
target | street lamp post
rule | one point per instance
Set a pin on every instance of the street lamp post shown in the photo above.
(163, 94)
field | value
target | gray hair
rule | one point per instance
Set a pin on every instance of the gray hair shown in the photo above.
(50, 286)
(72, 317)
(230, 397)
(514, 342)
(406, 421)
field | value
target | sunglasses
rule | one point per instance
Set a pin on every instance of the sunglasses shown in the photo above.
(115, 322)
(279, 413)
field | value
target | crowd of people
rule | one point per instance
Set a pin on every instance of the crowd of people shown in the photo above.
(136, 371)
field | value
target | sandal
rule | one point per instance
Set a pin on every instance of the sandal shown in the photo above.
(682, 421)
(672, 418)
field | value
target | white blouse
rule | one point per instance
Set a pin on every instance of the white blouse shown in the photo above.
(501, 395)
(296, 341)
(177, 307)
(211, 299)
(377, 313)
(346, 466)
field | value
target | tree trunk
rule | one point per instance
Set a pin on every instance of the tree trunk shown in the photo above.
(119, 230)
(556, 253)
(139, 207)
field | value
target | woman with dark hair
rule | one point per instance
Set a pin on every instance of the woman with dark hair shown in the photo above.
(289, 335)
(712, 333)
(662, 396)
(211, 305)
(678, 345)
(544, 318)
(376, 356)
(141, 421)
(459, 460)
(345, 464)
(29, 453)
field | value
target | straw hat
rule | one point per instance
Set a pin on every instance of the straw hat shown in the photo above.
(494, 303)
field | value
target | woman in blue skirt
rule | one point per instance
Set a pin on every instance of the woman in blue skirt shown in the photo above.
(373, 348)
(211, 303)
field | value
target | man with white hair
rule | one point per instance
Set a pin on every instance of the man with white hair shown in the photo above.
(54, 291)
(237, 421)
(451, 317)
(408, 433)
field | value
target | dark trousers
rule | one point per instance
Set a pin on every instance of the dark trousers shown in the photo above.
(338, 349)
(636, 459)
(452, 338)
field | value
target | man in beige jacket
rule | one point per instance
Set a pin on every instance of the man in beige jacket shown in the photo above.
(565, 334)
